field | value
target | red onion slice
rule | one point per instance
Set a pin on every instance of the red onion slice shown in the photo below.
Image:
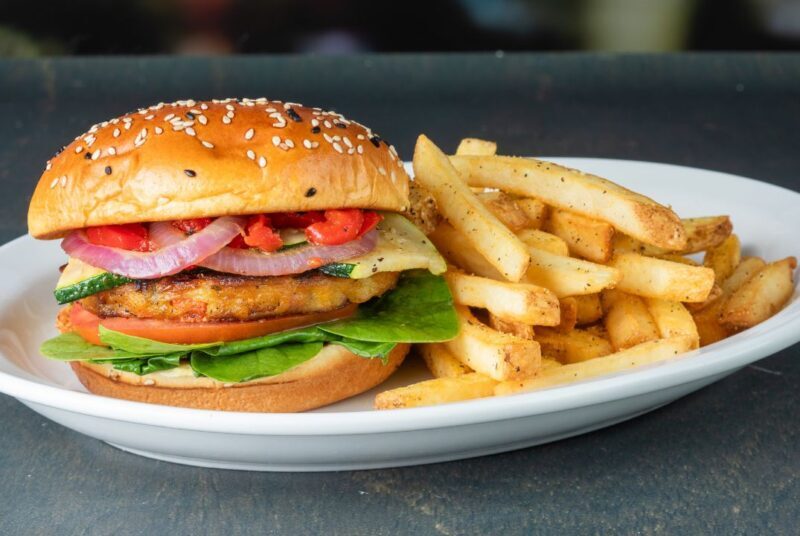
(169, 259)
(295, 260)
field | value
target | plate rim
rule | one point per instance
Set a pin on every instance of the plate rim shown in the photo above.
(777, 333)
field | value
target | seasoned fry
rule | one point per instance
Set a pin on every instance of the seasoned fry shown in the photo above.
(569, 314)
(701, 234)
(657, 278)
(476, 147)
(642, 354)
(588, 238)
(535, 210)
(437, 391)
(673, 319)
(516, 302)
(680, 259)
(578, 345)
(567, 276)
(498, 355)
(590, 309)
(714, 295)
(544, 241)
(724, 258)
(548, 363)
(505, 208)
(627, 320)
(441, 362)
(465, 212)
(761, 296)
(456, 249)
(518, 329)
(746, 269)
(583, 193)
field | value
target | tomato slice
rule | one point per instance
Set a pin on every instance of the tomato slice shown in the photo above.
(130, 236)
(86, 324)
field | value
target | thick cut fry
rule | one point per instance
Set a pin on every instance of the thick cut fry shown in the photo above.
(657, 278)
(498, 355)
(517, 302)
(518, 329)
(588, 238)
(505, 208)
(456, 249)
(437, 391)
(627, 320)
(544, 241)
(476, 147)
(672, 319)
(569, 314)
(440, 362)
(747, 268)
(583, 193)
(761, 296)
(680, 259)
(465, 212)
(724, 258)
(578, 345)
(567, 276)
(701, 234)
(642, 354)
(589, 309)
(535, 210)
(714, 295)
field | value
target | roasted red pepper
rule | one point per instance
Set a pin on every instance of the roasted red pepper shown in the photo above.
(260, 234)
(296, 220)
(192, 226)
(339, 227)
(129, 236)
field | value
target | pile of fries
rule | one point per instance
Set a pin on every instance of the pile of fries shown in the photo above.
(559, 276)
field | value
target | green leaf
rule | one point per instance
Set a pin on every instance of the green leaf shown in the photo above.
(72, 347)
(145, 365)
(366, 348)
(302, 335)
(142, 346)
(247, 366)
(419, 309)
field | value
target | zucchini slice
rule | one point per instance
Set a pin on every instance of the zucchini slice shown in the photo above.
(79, 280)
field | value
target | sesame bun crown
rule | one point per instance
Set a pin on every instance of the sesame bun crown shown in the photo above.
(224, 157)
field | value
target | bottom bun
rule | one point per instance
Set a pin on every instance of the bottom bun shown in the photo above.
(332, 375)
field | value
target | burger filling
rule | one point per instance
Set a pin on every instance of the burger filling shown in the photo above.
(238, 298)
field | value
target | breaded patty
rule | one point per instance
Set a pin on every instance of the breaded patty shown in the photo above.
(213, 296)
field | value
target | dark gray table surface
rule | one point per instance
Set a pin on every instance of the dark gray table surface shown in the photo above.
(723, 461)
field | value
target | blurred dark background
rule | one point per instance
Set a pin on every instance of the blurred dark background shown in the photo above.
(31, 28)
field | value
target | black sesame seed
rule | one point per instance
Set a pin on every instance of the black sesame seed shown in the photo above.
(88, 156)
(190, 172)
(316, 130)
(60, 150)
(376, 141)
(339, 125)
(108, 170)
(311, 192)
(293, 115)
(190, 115)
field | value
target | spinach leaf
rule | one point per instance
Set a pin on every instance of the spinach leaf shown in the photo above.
(247, 366)
(72, 347)
(142, 346)
(145, 365)
(302, 335)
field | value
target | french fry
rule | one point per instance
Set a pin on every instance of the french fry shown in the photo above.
(578, 345)
(673, 319)
(583, 193)
(586, 237)
(465, 212)
(761, 296)
(598, 330)
(627, 320)
(590, 309)
(680, 259)
(457, 249)
(544, 241)
(548, 363)
(535, 210)
(714, 295)
(657, 278)
(516, 302)
(476, 147)
(567, 276)
(569, 314)
(636, 356)
(498, 355)
(724, 258)
(437, 391)
(701, 234)
(505, 208)
(440, 361)
(747, 268)
(518, 329)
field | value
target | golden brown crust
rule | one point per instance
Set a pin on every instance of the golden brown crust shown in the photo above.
(333, 375)
(223, 158)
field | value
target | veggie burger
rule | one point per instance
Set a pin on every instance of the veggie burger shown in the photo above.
(238, 254)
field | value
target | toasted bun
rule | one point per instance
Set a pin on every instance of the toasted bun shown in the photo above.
(334, 374)
(196, 159)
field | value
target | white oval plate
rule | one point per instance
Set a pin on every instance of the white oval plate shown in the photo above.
(349, 435)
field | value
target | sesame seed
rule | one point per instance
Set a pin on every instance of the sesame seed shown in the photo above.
(168, 117)
(351, 150)
(315, 122)
(112, 151)
(96, 154)
(190, 172)
(314, 144)
(270, 110)
(63, 180)
(249, 134)
(311, 192)
(53, 183)
(381, 171)
(262, 162)
(327, 124)
(204, 106)
(307, 144)
(229, 114)
(229, 107)
(360, 137)
(251, 154)
(336, 138)
(290, 144)
(327, 137)
(283, 146)
(90, 140)
(108, 170)
(128, 126)
(347, 141)
(48, 166)
(276, 140)
(116, 133)
(202, 119)
(226, 119)
(190, 131)
(149, 117)
(207, 144)
(159, 130)
(360, 149)
(78, 149)
(337, 147)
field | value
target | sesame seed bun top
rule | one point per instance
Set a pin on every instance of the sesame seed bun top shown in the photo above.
(193, 159)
